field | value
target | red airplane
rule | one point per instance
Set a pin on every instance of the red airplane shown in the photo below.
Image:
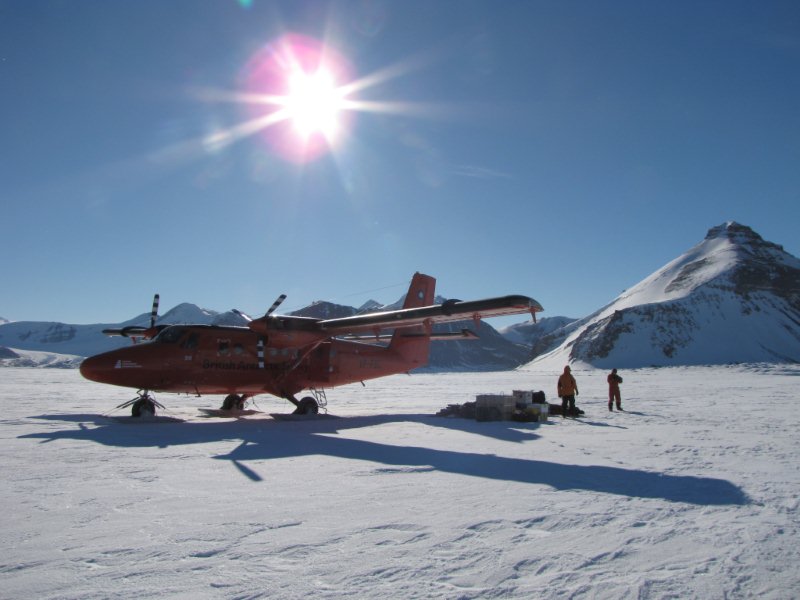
(284, 355)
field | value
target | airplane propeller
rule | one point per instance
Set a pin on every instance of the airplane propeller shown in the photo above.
(154, 312)
(245, 316)
(137, 331)
(275, 305)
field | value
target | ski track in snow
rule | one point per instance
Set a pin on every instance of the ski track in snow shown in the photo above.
(691, 494)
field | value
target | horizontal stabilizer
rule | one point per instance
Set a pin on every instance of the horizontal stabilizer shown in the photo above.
(464, 334)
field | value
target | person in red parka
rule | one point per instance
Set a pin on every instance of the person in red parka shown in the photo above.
(613, 390)
(567, 390)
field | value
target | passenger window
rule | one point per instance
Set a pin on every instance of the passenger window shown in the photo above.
(190, 343)
(224, 347)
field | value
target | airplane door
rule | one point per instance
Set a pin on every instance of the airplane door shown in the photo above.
(320, 367)
(185, 359)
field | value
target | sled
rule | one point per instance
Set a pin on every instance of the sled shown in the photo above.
(229, 414)
(296, 417)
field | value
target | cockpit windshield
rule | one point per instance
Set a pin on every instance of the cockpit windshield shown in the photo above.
(170, 335)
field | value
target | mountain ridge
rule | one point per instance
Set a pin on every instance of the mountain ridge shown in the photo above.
(734, 297)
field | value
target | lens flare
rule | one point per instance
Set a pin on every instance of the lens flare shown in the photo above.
(301, 81)
(300, 97)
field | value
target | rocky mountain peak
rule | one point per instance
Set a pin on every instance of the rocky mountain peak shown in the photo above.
(321, 309)
(735, 232)
(744, 238)
(734, 297)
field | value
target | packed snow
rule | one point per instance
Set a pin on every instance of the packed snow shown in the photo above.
(691, 493)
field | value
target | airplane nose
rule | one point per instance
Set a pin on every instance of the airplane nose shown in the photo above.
(122, 367)
(95, 368)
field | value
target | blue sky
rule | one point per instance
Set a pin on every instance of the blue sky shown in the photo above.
(563, 150)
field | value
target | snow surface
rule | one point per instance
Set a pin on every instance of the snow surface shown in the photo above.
(691, 494)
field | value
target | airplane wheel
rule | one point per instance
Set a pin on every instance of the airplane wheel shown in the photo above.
(143, 407)
(307, 406)
(233, 402)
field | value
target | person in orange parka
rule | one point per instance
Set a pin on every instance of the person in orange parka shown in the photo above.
(613, 390)
(567, 390)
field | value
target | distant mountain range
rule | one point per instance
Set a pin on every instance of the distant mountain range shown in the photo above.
(732, 298)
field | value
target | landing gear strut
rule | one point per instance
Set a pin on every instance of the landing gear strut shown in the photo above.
(144, 405)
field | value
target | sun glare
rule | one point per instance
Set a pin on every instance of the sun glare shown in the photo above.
(313, 103)
(299, 95)
(294, 84)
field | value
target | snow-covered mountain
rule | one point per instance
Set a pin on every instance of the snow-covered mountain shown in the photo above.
(530, 333)
(8, 353)
(325, 310)
(61, 338)
(31, 358)
(490, 352)
(732, 298)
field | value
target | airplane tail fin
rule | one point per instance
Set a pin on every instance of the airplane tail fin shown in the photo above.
(420, 292)
(413, 343)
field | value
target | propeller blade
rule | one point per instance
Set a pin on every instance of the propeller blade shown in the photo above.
(276, 304)
(154, 312)
(245, 316)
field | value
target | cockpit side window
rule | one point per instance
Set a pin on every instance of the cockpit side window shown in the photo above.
(170, 335)
(190, 343)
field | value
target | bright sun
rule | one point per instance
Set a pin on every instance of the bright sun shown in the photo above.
(294, 92)
(299, 95)
(313, 103)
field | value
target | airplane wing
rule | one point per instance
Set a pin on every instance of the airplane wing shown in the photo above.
(451, 310)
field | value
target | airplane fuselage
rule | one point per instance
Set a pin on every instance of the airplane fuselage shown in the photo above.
(283, 355)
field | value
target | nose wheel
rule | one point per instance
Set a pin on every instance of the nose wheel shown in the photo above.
(143, 405)
(309, 405)
(233, 402)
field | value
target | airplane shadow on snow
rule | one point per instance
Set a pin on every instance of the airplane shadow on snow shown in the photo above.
(266, 439)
